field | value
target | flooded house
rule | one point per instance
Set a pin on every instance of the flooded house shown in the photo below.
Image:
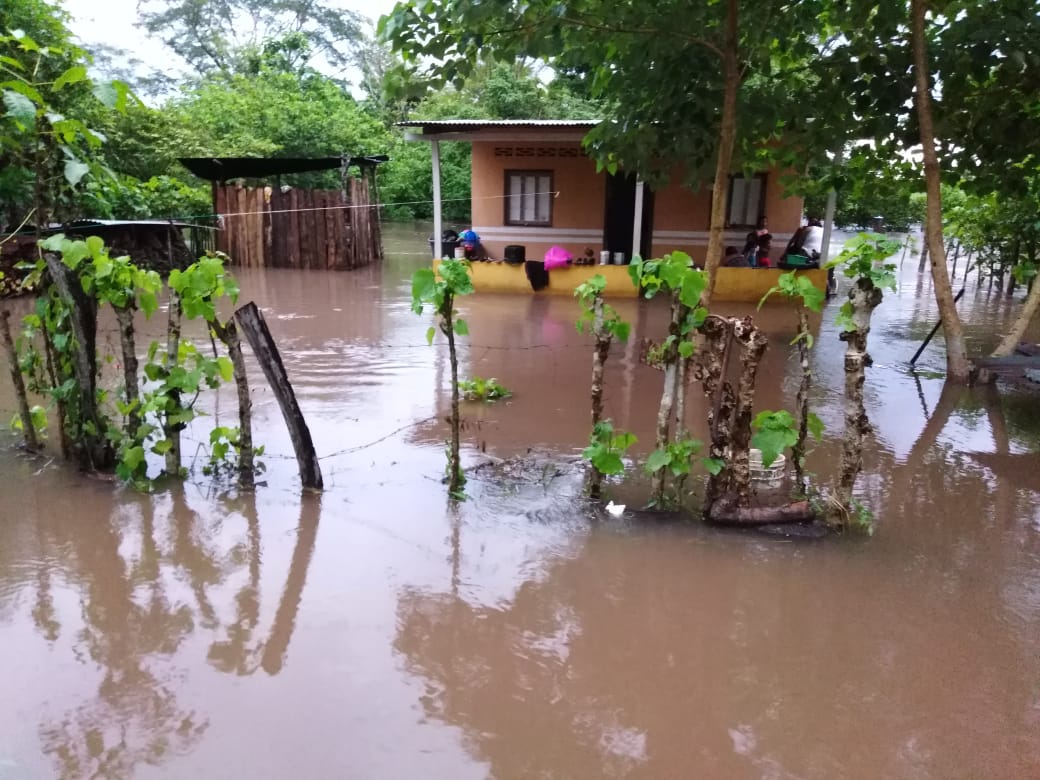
(533, 188)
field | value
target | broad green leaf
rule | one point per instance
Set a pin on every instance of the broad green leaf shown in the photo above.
(461, 327)
(686, 349)
(815, 426)
(658, 460)
(75, 171)
(19, 107)
(608, 463)
(225, 367)
(771, 442)
(714, 466)
(71, 76)
(430, 333)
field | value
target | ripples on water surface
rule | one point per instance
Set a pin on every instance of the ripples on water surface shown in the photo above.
(375, 632)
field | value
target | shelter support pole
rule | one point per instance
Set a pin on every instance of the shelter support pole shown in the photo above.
(637, 220)
(438, 227)
(828, 218)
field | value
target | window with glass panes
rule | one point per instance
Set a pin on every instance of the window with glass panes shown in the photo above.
(529, 196)
(746, 200)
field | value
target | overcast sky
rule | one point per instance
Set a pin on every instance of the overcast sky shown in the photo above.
(112, 22)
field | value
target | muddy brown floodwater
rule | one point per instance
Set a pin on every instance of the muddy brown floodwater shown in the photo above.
(375, 632)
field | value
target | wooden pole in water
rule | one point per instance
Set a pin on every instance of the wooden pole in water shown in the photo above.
(28, 430)
(251, 320)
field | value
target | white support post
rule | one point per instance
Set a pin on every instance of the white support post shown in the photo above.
(438, 228)
(828, 218)
(637, 221)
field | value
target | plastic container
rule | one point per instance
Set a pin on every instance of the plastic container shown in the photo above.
(447, 248)
(619, 258)
(604, 257)
(460, 252)
(763, 477)
(515, 254)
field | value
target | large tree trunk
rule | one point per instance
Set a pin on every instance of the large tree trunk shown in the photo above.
(28, 429)
(727, 140)
(865, 297)
(599, 360)
(1018, 330)
(957, 366)
(125, 318)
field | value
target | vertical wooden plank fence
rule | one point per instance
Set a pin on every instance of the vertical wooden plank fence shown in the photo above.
(264, 227)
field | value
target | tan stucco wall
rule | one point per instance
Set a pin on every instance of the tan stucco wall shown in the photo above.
(680, 216)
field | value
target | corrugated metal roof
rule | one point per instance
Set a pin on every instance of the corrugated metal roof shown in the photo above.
(445, 125)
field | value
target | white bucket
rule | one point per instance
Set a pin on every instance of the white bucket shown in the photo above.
(619, 258)
(460, 252)
(604, 257)
(761, 476)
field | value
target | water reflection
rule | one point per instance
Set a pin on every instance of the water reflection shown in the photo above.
(135, 588)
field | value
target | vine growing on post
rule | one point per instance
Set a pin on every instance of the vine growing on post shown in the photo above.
(197, 289)
(811, 298)
(605, 324)
(863, 260)
(440, 289)
(674, 275)
(124, 287)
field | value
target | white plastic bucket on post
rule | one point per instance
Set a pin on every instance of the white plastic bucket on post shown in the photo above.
(761, 476)
(604, 257)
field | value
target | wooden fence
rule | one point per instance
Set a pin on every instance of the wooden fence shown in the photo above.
(264, 227)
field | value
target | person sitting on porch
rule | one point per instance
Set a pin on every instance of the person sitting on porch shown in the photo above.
(762, 254)
(753, 243)
(734, 259)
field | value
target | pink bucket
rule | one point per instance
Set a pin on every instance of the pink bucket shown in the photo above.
(557, 257)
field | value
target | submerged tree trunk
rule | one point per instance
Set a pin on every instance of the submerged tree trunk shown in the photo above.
(52, 377)
(711, 369)
(957, 366)
(125, 318)
(727, 140)
(599, 360)
(804, 387)
(670, 359)
(1021, 325)
(93, 449)
(228, 334)
(455, 479)
(865, 297)
(172, 433)
(24, 414)
(753, 345)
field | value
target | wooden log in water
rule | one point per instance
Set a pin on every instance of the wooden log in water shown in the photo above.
(727, 511)
(251, 321)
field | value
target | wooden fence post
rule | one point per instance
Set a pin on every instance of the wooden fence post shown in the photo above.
(251, 320)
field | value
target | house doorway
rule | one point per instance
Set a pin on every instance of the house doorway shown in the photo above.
(619, 216)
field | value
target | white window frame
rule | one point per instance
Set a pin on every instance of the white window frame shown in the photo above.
(743, 209)
(528, 198)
